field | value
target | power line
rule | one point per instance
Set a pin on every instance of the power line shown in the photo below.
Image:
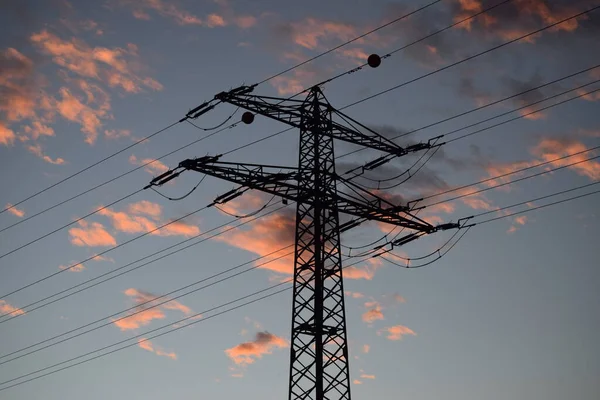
(461, 21)
(139, 308)
(120, 176)
(16, 313)
(472, 57)
(174, 327)
(485, 106)
(349, 41)
(90, 166)
(104, 252)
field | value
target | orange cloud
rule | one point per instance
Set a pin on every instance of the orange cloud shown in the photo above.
(365, 376)
(147, 345)
(37, 150)
(357, 382)
(366, 348)
(118, 67)
(164, 9)
(14, 210)
(294, 83)
(6, 308)
(136, 221)
(116, 134)
(76, 268)
(374, 313)
(245, 21)
(248, 352)
(396, 332)
(266, 235)
(520, 220)
(147, 315)
(154, 167)
(312, 33)
(354, 295)
(549, 149)
(91, 235)
(7, 136)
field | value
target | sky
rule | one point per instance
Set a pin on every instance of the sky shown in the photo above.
(509, 312)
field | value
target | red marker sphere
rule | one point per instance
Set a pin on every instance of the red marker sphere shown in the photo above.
(247, 117)
(374, 61)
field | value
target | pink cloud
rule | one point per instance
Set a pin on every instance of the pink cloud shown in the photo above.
(76, 268)
(396, 332)
(366, 376)
(147, 315)
(154, 167)
(15, 211)
(91, 235)
(136, 221)
(354, 295)
(6, 308)
(248, 352)
(366, 348)
(117, 134)
(7, 136)
(37, 150)
(145, 344)
(549, 149)
(374, 312)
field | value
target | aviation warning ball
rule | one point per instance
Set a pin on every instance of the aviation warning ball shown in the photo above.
(374, 61)
(247, 117)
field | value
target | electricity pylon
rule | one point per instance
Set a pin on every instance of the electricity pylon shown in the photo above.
(319, 348)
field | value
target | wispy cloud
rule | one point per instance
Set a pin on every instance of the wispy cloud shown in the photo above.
(19, 212)
(154, 167)
(37, 150)
(248, 352)
(147, 315)
(147, 345)
(6, 308)
(396, 332)
(373, 313)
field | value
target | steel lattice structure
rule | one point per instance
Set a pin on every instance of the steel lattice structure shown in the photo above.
(319, 366)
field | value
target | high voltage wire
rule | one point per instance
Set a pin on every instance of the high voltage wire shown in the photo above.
(104, 252)
(119, 176)
(16, 313)
(472, 57)
(175, 123)
(351, 41)
(274, 286)
(89, 167)
(252, 143)
(176, 326)
(152, 304)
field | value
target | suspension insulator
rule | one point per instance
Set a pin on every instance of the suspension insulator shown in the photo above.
(247, 117)
(374, 61)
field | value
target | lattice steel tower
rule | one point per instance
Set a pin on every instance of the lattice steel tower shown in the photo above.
(319, 349)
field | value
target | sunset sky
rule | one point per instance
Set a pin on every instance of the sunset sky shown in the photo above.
(510, 312)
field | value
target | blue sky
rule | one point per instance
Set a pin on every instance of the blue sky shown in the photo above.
(510, 312)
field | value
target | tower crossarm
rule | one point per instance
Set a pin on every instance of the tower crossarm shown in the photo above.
(289, 111)
(285, 185)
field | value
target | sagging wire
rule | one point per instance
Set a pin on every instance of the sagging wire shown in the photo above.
(440, 255)
(216, 126)
(253, 213)
(182, 197)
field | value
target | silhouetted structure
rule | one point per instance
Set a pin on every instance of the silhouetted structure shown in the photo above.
(319, 350)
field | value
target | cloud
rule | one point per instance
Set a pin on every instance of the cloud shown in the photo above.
(7, 136)
(162, 8)
(265, 236)
(357, 382)
(366, 348)
(118, 67)
(6, 308)
(37, 150)
(354, 295)
(373, 313)
(147, 345)
(366, 376)
(248, 352)
(14, 210)
(154, 167)
(147, 315)
(73, 268)
(396, 332)
(117, 133)
(136, 220)
(549, 149)
(520, 220)
(91, 235)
